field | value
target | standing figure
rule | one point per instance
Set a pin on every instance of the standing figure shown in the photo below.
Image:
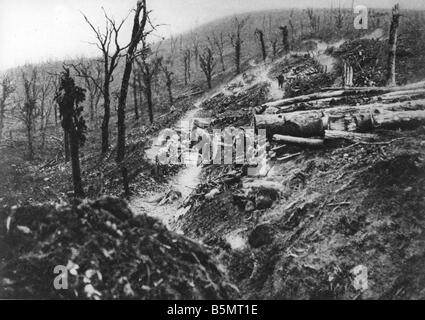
(280, 80)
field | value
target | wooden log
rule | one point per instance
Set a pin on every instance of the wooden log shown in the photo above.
(364, 91)
(299, 141)
(354, 118)
(351, 136)
(299, 125)
(392, 97)
(399, 119)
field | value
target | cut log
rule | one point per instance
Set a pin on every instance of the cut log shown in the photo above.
(305, 124)
(299, 141)
(400, 119)
(366, 92)
(392, 97)
(351, 136)
(315, 122)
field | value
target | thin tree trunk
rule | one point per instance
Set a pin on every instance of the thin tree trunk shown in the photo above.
(136, 108)
(391, 67)
(1, 120)
(148, 92)
(106, 117)
(66, 146)
(75, 162)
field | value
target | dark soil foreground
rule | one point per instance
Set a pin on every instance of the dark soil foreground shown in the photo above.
(109, 254)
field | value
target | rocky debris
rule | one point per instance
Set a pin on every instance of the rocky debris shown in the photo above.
(107, 252)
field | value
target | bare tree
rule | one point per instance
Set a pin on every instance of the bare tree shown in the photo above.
(138, 33)
(148, 66)
(260, 35)
(169, 75)
(391, 65)
(135, 88)
(285, 38)
(186, 55)
(108, 44)
(218, 41)
(339, 18)
(69, 97)
(45, 90)
(195, 47)
(28, 110)
(312, 18)
(237, 41)
(6, 90)
(91, 73)
(167, 67)
(207, 64)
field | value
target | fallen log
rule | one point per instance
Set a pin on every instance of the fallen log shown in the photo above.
(354, 118)
(299, 141)
(366, 91)
(400, 119)
(351, 136)
(392, 97)
(305, 124)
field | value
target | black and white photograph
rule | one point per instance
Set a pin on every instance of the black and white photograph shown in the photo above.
(234, 151)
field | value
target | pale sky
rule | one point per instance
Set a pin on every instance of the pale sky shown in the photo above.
(38, 30)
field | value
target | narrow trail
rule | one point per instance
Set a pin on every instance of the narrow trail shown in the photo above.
(182, 184)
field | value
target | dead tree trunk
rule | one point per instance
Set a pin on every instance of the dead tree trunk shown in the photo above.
(69, 97)
(260, 34)
(237, 41)
(136, 103)
(137, 35)
(66, 146)
(207, 64)
(391, 65)
(7, 89)
(285, 38)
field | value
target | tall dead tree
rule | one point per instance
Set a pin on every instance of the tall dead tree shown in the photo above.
(69, 97)
(108, 44)
(167, 67)
(138, 33)
(207, 63)
(28, 112)
(169, 76)
(148, 66)
(135, 88)
(285, 38)
(219, 43)
(392, 42)
(237, 41)
(91, 73)
(195, 48)
(187, 56)
(6, 90)
(45, 90)
(312, 18)
(339, 18)
(260, 35)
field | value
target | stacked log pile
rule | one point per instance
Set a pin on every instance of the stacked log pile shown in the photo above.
(327, 115)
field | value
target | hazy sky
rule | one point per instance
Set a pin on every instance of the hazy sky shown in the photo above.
(37, 30)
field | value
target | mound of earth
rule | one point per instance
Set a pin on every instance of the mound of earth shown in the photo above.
(108, 254)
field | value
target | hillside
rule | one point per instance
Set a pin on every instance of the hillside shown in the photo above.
(333, 211)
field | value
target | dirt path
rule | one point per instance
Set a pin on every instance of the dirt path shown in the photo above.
(181, 185)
